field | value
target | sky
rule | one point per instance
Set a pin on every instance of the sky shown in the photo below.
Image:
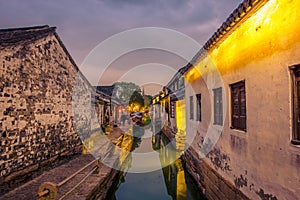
(82, 25)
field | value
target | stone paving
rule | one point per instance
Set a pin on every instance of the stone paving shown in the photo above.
(30, 189)
(96, 182)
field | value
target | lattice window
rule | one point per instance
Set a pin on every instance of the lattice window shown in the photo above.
(218, 106)
(295, 75)
(238, 106)
(199, 116)
(191, 107)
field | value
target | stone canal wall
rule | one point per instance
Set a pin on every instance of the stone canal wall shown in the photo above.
(36, 120)
(209, 180)
(121, 159)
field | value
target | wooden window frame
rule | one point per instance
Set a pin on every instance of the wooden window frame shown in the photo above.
(295, 140)
(218, 116)
(191, 99)
(238, 119)
(198, 108)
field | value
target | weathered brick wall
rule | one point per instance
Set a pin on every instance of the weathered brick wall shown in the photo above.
(36, 118)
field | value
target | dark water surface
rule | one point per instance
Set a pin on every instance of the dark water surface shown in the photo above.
(168, 182)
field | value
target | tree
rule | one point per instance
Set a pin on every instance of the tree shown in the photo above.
(125, 90)
(137, 99)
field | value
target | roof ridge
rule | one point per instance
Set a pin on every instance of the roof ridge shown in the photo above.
(25, 28)
(243, 11)
(15, 35)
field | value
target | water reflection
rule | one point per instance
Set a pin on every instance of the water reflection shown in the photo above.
(170, 182)
(178, 182)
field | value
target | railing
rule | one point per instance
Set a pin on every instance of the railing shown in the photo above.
(49, 190)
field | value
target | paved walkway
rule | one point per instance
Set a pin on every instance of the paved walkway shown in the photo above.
(30, 189)
(102, 175)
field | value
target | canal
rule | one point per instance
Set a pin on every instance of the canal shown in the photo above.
(169, 180)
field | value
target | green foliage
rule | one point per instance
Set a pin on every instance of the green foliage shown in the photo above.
(125, 90)
(136, 98)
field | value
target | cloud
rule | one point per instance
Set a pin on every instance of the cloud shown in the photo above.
(84, 24)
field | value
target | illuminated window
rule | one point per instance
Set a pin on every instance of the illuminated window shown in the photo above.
(238, 106)
(295, 75)
(218, 106)
(191, 107)
(198, 97)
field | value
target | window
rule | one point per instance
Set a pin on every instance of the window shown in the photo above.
(175, 86)
(198, 97)
(295, 75)
(191, 107)
(181, 84)
(218, 106)
(238, 106)
(173, 109)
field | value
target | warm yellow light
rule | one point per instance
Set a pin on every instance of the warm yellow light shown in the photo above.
(273, 28)
(192, 75)
(136, 108)
(180, 115)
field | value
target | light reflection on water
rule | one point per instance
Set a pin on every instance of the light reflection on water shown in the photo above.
(170, 182)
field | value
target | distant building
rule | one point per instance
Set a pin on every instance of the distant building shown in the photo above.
(114, 107)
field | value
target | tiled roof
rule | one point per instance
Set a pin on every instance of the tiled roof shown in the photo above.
(239, 15)
(182, 70)
(26, 35)
(14, 35)
(235, 17)
(178, 74)
(108, 90)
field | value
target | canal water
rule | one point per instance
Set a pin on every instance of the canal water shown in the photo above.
(169, 181)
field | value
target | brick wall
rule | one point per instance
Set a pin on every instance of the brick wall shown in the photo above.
(36, 119)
